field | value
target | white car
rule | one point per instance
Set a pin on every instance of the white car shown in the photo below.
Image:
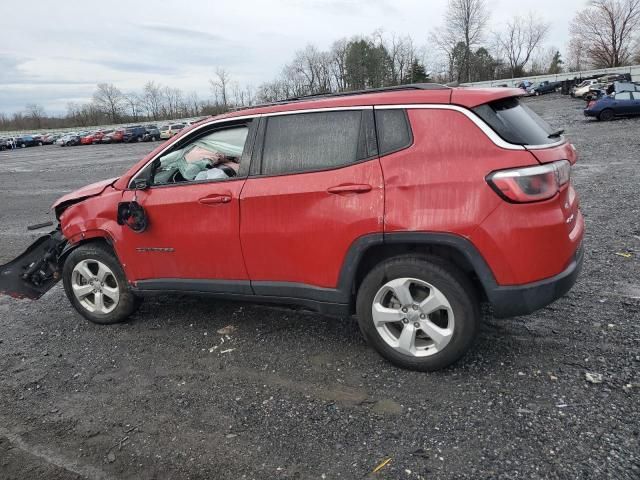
(581, 90)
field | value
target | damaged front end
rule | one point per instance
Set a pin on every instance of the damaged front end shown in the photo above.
(36, 270)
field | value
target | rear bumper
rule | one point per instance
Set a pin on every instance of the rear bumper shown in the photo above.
(511, 301)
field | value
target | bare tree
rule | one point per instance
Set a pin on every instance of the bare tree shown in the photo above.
(465, 23)
(152, 99)
(220, 87)
(35, 112)
(110, 100)
(520, 39)
(576, 55)
(134, 104)
(338, 55)
(446, 43)
(607, 29)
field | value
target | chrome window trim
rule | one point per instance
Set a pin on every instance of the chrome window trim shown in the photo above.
(248, 117)
(486, 129)
(481, 124)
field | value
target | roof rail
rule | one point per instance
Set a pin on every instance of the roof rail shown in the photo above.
(409, 86)
(316, 96)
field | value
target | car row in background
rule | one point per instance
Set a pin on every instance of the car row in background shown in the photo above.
(134, 133)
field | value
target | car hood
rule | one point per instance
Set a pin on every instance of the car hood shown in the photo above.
(85, 192)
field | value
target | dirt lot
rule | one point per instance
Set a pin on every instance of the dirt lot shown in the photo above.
(300, 395)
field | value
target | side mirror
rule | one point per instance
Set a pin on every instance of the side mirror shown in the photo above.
(141, 184)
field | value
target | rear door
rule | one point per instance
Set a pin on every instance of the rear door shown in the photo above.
(623, 103)
(316, 186)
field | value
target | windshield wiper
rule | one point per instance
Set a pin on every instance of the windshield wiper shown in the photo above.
(556, 134)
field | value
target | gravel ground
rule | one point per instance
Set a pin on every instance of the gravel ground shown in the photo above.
(300, 395)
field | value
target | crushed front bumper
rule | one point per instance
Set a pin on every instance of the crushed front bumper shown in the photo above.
(36, 270)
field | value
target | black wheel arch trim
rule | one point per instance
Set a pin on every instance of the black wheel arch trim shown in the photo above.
(507, 301)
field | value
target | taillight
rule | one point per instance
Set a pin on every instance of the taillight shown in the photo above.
(591, 104)
(531, 184)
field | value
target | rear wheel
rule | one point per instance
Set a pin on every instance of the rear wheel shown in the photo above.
(606, 115)
(419, 312)
(97, 286)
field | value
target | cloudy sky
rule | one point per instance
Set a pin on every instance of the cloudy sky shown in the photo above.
(56, 53)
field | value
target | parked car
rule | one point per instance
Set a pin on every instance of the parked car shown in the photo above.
(622, 104)
(581, 90)
(50, 138)
(133, 134)
(115, 137)
(27, 141)
(544, 87)
(3, 143)
(339, 214)
(151, 133)
(169, 131)
(90, 138)
(524, 85)
(71, 139)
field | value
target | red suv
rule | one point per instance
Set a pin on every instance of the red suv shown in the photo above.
(409, 206)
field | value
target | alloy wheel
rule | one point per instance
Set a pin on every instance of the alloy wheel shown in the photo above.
(413, 317)
(95, 286)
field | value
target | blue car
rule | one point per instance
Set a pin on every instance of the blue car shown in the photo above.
(621, 104)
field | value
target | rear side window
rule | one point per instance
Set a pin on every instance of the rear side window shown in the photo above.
(516, 123)
(393, 130)
(623, 96)
(313, 141)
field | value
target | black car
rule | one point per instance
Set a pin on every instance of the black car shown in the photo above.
(27, 141)
(152, 133)
(134, 134)
(545, 87)
(3, 143)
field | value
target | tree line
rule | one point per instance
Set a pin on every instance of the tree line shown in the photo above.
(605, 33)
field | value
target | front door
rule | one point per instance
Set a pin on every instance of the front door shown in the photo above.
(192, 240)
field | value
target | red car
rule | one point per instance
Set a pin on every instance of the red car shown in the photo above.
(116, 136)
(91, 138)
(408, 206)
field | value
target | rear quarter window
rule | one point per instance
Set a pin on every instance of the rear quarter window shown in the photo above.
(516, 123)
(393, 130)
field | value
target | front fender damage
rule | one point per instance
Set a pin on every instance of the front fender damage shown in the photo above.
(36, 270)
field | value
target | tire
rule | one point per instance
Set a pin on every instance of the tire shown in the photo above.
(458, 319)
(116, 297)
(39, 144)
(606, 115)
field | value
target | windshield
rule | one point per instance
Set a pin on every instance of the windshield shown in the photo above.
(516, 123)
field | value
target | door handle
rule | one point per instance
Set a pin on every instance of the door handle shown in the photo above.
(350, 188)
(216, 199)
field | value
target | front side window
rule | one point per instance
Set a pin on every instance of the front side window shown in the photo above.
(211, 156)
(517, 123)
(315, 141)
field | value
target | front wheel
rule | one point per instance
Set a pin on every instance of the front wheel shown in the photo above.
(97, 286)
(419, 312)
